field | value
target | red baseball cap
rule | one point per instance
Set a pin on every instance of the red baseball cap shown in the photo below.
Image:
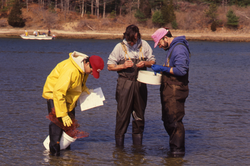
(97, 65)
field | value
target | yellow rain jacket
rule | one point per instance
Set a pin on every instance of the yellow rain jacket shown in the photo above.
(65, 84)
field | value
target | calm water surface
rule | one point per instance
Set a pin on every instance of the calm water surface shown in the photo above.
(217, 119)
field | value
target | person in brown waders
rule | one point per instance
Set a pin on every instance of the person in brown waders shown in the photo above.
(62, 89)
(174, 86)
(127, 58)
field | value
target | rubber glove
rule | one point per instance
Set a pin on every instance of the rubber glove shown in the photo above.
(159, 68)
(67, 121)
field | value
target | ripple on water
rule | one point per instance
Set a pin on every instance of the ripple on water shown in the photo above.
(216, 121)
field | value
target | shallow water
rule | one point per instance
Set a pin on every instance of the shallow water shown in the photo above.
(217, 109)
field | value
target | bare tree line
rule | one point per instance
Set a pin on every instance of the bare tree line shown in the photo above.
(93, 6)
(85, 6)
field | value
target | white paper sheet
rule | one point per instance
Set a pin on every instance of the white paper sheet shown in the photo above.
(94, 99)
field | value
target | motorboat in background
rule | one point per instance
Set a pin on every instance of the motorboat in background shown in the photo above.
(38, 37)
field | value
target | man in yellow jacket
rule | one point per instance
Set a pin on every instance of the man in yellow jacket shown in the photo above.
(64, 86)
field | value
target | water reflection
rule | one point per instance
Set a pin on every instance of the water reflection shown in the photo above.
(67, 158)
(134, 156)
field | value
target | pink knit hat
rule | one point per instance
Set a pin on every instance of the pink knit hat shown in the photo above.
(160, 33)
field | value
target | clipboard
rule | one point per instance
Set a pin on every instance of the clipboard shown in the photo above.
(92, 100)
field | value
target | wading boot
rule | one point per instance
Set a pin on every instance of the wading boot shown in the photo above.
(137, 139)
(55, 150)
(68, 148)
(119, 141)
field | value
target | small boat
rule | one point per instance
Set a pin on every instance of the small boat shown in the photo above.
(38, 37)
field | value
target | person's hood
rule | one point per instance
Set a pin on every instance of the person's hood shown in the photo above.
(179, 39)
(77, 59)
(137, 45)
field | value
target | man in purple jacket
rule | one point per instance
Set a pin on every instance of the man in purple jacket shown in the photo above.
(174, 86)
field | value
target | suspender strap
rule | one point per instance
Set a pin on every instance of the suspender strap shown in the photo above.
(141, 53)
(168, 60)
(126, 52)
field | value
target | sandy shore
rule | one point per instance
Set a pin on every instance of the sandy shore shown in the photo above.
(146, 34)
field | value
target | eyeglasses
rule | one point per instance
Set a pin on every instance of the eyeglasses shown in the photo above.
(160, 40)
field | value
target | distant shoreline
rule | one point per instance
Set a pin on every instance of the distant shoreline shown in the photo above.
(146, 35)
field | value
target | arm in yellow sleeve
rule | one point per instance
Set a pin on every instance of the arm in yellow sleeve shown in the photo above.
(60, 92)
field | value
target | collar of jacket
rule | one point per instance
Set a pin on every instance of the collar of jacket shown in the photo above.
(137, 45)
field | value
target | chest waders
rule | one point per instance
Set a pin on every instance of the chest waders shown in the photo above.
(174, 91)
(131, 97)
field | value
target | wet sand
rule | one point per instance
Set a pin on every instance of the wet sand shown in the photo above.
(146, 34)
